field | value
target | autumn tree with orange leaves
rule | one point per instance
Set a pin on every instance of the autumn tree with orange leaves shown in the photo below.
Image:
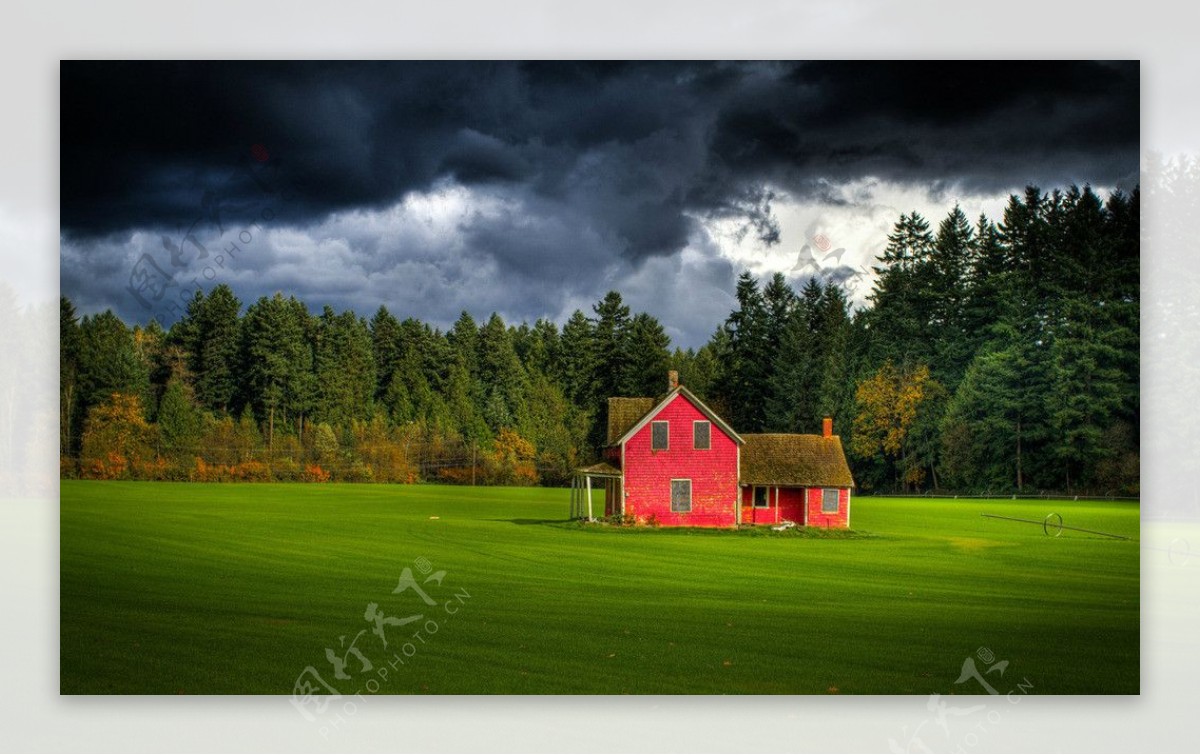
(117, 441)
(510, 462)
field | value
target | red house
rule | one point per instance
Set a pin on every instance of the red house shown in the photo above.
(676, 463)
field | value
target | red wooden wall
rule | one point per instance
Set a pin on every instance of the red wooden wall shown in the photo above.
(817, 519)
(791, 507)
(714, 473)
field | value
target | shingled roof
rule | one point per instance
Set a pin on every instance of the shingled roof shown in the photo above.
(639, 409)
(624, 413)
(603, 469)
(801, 460)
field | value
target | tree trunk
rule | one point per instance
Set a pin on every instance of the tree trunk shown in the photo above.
(1020, 479)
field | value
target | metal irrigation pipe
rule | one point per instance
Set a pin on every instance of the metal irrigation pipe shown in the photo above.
(1046, 525)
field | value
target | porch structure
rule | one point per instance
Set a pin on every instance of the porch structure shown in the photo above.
(608, 477)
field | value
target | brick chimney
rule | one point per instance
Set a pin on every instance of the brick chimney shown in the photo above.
(672, 380)
(827, 427)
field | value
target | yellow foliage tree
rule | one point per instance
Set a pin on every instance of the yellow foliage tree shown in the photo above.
(383, 450)
(510, 461)
(117, 440)
(888, 402)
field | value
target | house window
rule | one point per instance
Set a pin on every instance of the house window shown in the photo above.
(659, 434)
(681, 496)
(761, 499)
(829, 501)
(701, 435)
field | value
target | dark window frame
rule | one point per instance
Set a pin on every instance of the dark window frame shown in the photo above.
(666, 440)
(766, 504)
(696, 424)
(675, 509)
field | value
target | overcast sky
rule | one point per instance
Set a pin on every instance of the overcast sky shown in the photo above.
(531, 189)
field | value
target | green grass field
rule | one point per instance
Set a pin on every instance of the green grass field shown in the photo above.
(226, 588)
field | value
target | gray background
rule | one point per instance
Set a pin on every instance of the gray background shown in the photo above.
(35, 36)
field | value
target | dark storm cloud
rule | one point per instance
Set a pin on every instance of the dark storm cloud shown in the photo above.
(140, 140)
(984, 125)
(617, 160)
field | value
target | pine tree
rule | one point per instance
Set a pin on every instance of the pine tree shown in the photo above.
(649, 358)
(778, 302)
(277, 361)
(986, 282)
(991, 424)
(466, 413)
(902, 297)
(544, 353)
(208, 339)
(109, 362)
(217, 378)
(697, 369)
(387, 349)
(558, 430)
(797, 363)
(180, 423)
(413, 392)
(578, 344)
(344, 362)
(951, 261)
(610, 361)
(504, 382)
(834, 392)
(611, 344)
(1085, 395)
(747, 365)
(463, 338)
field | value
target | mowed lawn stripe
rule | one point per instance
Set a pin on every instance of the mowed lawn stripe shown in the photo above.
(237, 588)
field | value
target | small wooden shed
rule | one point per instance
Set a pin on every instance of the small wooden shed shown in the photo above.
(800, 478)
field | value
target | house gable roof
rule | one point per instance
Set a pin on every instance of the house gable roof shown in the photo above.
(799, 460)
(624, 413)
(649, 415)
